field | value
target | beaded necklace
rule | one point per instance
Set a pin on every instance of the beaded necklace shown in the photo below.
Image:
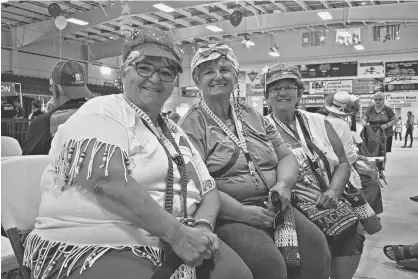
(167, 141)
(240, 141)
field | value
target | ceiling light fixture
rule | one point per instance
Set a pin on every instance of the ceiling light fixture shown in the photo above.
(112, 38)
(247, 41)
(363, 3)
(325, 15)
(105, 70)
(359, 47)
(164, 8)
(77, 21)
(214, 28)
(274, 51)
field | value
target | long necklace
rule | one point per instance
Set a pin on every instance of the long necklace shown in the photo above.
(167, 141)
(240, 141)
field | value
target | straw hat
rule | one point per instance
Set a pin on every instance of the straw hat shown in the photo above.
(340, 103)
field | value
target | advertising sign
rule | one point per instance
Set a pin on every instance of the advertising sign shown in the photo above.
(344, 69)
(367, 85)
(401, 83)
(404, 68)
(10, 89)
(366, 100)
(330, 86)
(312, 100)
(371, 70)
(403, 99)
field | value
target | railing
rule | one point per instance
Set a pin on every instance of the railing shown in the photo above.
(15, 128)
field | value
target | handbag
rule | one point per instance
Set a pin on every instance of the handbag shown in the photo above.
(368, 218)
(285, 236)
(331, 221)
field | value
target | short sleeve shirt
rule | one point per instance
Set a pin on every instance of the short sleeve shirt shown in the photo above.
(380, 118)
(217, 148)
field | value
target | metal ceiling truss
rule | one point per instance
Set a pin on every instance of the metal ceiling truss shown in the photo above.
(33, 25)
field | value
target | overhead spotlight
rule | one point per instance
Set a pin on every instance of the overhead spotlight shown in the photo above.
(359, 47)
(105, 70)
(247, 41)
(325, 15)
(275, 54)
(274, 51)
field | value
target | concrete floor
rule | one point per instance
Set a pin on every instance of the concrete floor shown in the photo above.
(399, 219)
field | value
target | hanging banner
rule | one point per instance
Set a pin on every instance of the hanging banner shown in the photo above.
(404, 68)
(330, 86)
(351, 36)
(371, 70)
(312, 101)
(242, 76)
(403, 83)
(252, 75)
(367, 85)
(404, 99)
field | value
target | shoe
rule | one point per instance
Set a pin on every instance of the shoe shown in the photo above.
(410, 146)
(414, 198)
(403, 146)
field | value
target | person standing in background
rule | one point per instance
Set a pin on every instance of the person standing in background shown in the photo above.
(409, 128)
(69, 92)
(20, 113)
(398, 129)
(36, 109)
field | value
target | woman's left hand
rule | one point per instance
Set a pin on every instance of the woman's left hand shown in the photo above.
(328, 199)
(215, 241)
(384, 126)
(285, 193)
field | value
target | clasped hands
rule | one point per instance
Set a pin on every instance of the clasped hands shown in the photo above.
(194, 244)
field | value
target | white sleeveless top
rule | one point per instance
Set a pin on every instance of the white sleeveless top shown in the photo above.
(307, 186)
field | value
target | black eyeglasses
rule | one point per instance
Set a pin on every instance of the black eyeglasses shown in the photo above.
(146, 70)
(288, 89)
(378, 99)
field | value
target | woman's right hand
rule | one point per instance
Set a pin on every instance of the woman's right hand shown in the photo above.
(193, 245)
(257, 216)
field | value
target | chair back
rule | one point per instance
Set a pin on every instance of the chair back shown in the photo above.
(10, 147)
(20, 199)
(21, 191)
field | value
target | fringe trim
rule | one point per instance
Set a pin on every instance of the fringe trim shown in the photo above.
(38, 250)
(71, 158)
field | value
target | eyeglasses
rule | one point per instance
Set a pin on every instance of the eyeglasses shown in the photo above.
(288, 89)
(219, 48)
(378, 99)
(145, 70)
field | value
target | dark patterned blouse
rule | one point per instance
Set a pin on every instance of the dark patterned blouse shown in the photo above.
(380, 118)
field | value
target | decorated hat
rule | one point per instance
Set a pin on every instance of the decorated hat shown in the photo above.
(340, 103)
(213, 52)
(280, 71)
(153, 42)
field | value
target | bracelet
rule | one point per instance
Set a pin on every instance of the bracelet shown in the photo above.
(203, 222)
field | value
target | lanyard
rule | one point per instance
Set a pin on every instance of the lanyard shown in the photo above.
(302, 140)
(154, 130)
(240, 141)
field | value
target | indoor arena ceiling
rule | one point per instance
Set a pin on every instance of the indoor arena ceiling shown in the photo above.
(31, 22)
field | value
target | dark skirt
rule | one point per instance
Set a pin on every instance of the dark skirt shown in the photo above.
(389, 144)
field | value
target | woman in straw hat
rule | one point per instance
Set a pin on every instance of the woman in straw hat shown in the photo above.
(314, 142)
(127, 189)
(248, 160)
(340, 106)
